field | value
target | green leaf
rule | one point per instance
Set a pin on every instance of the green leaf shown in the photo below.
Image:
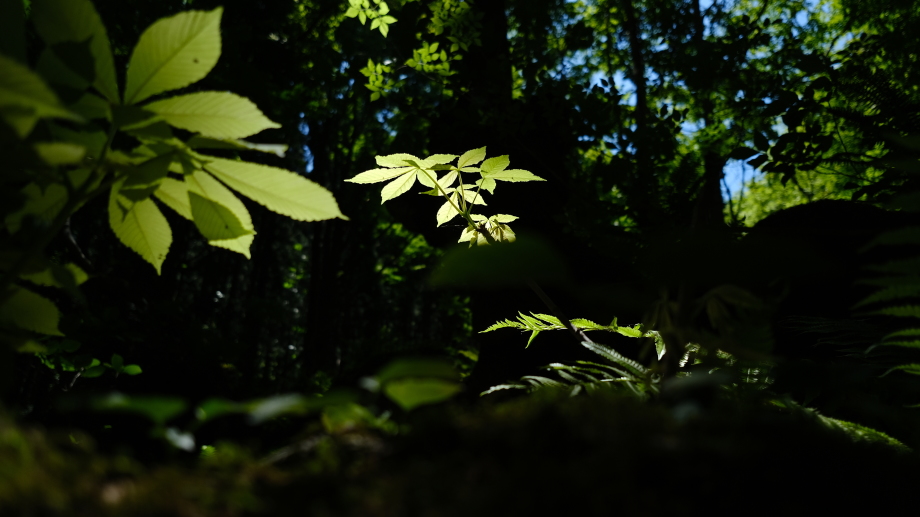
(77, 21)
(902, 311)
(472, 157)
(93, 371)
(147, 176)
(172, 53)
(412, 393)
(495, 164)
(59, 153)
(24, 309)
(213, 114)
(277, 189)
(45, 204)
(203, 142)
(117, 361)
(174, 194)
(157, 409)
(396, 160)
(23, 94)
(57, 276)
(219, 215)
(378, 175)
(513, 175)
(131, 369)
(397, 187)
(440, 158)
(140, 226)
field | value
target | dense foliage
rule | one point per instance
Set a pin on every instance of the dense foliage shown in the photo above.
(352, 358)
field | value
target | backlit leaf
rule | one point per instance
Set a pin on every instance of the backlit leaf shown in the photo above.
(29, 311)
(59, 153)
(378, 175)
(140, 226)
(513, 175)
(219, 215)
(174, 194)
(277, 189)
(203, 142)
(397, 187)
(411, 393)
(472, 157)
(495, 164)
(396, 160)
(213, 114)
(172, 53)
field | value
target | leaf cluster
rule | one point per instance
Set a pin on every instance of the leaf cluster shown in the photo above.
(61, 116)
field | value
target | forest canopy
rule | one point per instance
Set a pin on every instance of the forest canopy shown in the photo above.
(219, 275)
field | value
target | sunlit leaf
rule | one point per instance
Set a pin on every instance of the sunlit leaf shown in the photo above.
(472, 157)
(213, 114)
(378, 175)
(140, 226)
(277, 189)
(397, 187)
(396, 160)
(202, 142)
(172, 53)
(495, 164)
(219, 215)
(513, 175)
(174, 194)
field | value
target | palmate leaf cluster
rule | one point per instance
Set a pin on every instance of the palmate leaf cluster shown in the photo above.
(60, 117)
(402, 171)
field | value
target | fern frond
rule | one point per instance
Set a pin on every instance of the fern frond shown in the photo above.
(902, 333)
(545, 382)
(912, 368)
(907, 266)
(907, 311)
(894, 292)
(604, 369)
(909, 235)
(906, 344)
(500, 387)
(615, 357)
